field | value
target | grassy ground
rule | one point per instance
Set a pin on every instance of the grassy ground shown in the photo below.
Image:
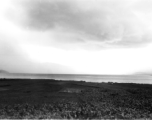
(46, 99)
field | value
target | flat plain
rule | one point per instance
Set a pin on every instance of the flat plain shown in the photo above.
(54, 99)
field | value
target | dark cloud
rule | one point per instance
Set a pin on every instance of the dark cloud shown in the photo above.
(65, 15)
(74, 23)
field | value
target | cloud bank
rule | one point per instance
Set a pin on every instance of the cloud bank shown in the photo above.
(100, 23)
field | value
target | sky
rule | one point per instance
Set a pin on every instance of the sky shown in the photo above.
(76, 36)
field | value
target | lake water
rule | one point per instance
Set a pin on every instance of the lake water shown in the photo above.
(88, 78)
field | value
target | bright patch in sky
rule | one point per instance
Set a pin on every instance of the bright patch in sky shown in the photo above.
(93, 62)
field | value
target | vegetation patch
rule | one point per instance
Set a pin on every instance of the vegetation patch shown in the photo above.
(72, 90)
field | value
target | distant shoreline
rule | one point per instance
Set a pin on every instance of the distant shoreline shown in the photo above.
(81, 81)
(140, 79)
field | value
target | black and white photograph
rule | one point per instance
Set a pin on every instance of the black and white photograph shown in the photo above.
(75, 59)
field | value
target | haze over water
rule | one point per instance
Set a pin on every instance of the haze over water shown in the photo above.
(87, 78)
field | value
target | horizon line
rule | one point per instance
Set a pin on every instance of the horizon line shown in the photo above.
(77, 74)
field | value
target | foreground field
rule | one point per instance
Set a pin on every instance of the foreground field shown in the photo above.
(48, 99)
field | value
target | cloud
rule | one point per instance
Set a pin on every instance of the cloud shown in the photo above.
(98, 23)
(52, 27)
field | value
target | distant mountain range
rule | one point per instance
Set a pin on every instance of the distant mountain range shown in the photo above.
(3, 71)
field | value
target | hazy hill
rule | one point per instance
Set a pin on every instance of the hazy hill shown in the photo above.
(3, 71)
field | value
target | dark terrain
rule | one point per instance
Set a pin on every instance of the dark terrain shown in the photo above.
(46, 99)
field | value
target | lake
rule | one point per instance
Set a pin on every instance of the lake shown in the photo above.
(84, 77)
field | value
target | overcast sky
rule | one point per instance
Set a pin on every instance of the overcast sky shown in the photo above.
(76, 36)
